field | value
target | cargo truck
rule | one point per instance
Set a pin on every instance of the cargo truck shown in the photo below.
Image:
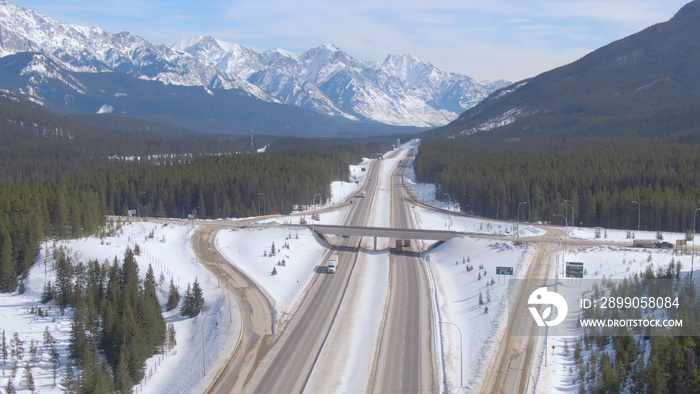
(651, 243)
(332, 264)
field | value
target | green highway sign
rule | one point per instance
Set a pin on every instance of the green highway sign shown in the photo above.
(574, 270)
(504, 270)
(287, 209)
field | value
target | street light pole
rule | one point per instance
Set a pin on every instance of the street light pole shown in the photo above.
(138, 203)
(470, 201)
(461, 373)
(204, 367)
(498, 204)
(692, 256)
(263, 196)
(521, 203)
(449, 211)
(527, 385)
(639, 213)
(566, 229)
(566, 209)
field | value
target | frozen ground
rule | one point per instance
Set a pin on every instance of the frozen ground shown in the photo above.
(170, 254)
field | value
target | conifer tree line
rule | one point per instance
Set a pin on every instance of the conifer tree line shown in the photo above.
(643, 363)
(117, 321)
(74, 205)
(600, 177)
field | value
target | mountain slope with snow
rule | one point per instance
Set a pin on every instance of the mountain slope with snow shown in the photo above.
(401, 91)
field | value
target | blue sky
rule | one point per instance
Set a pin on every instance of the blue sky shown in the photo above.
(485, 39)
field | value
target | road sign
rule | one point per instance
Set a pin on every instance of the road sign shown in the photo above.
(574, 270)
(504, 270)
(190, 216)
(287, 209)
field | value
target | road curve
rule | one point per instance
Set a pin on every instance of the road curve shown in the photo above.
(257, 321)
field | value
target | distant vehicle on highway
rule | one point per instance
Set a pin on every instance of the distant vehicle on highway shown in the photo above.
(651, 243)
(363, 194)
(332, 264)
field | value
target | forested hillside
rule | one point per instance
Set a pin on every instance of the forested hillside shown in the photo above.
(652, 73)
(601, 177)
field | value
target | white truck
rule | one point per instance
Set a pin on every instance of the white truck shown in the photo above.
(332, 263)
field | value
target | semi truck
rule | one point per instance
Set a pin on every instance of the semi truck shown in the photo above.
(332, 263)
(651, 243)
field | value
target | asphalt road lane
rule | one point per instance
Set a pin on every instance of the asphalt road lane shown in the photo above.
(289, 363)
(405, 360)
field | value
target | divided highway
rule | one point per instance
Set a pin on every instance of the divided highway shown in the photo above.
(282, 363)
(405, 360)
(288, 364)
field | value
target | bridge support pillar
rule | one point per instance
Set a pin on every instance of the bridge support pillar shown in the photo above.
(375, 244)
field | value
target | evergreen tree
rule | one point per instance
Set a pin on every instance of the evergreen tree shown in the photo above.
(10, 386)
(33, 356)
(47, 294)
(186, 307)
(50, 345)
(70, 382)
(16, 348)
(8, 273)
(122, 379)
(150, 275)
(197, 298)
(173, 297)
(78, 346)
(172, 341)
(3, 348)
(28, 378)
(64, 280)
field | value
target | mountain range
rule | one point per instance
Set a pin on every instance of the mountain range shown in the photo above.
(646, 83)
(83, 69)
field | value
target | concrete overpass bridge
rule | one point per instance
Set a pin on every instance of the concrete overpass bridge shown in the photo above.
(398, 234)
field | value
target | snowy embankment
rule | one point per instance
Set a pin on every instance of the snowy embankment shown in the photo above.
(298, 252)
(472, 297)
(283, 274)
(167, 249)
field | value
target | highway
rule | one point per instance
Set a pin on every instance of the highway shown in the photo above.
(405, 359)
(289, 362)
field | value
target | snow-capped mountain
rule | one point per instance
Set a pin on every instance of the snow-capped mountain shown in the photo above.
(401, 90)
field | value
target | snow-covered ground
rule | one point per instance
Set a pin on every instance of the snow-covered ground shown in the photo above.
(297, 255)
(170, 255)
(456, 290)
(600, 262)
